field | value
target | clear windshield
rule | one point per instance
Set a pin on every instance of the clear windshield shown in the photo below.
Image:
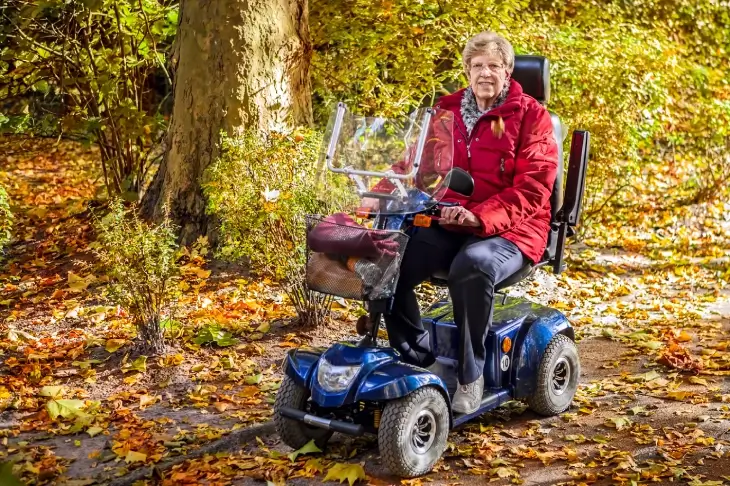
(402, 163)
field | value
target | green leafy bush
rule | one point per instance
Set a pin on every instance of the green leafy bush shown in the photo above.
(141, 261)
(99, 68)
(260, 190)
(6, 219)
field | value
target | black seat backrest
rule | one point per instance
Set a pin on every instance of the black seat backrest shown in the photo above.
(533, 74)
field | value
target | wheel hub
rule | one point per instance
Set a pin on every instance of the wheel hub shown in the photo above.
(561, 376)
(423, 432)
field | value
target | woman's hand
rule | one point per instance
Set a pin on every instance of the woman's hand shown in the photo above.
(459, 216)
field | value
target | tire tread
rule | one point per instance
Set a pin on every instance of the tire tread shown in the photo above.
(392, 427)
(539, 401)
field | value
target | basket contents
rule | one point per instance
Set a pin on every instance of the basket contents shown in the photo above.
(351, 261)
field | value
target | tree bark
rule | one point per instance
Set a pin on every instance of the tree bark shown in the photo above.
(242, 64)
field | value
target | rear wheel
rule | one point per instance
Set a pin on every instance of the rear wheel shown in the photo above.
(557, 378)
(413, 432)
(293, 433)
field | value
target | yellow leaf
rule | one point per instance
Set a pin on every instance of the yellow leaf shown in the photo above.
(131, 380)
(678, 395)
(146, 400)
(313, 466)
(698, 381)
(619, 423)
(346, 472)
(92, 431)
(133, 456)
(77, 283)
(114, 344)
(52, 391)
(684, 337)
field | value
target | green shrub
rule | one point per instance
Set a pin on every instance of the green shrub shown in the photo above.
(260, 190)
(141, 261)
(98, 68)
(6, 219)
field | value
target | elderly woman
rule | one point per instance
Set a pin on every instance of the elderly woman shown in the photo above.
(504, 139)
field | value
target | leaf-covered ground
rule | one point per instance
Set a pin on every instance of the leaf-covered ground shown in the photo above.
(648, 296)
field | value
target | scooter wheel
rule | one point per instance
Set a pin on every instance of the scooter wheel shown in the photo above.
(293, 433)
(557, 378)
(413, 432)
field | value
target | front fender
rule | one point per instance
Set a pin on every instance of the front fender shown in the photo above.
(300, 363)
(395, 380)
(532, 341)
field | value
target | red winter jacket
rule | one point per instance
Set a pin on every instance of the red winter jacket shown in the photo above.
(513, 174)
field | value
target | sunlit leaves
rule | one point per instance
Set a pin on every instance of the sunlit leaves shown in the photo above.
(308, 448)
(212, 333)
(351, 473)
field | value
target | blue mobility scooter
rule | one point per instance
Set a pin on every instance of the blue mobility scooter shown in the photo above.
(362, 387)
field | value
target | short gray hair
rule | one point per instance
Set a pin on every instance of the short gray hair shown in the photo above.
(484, 43)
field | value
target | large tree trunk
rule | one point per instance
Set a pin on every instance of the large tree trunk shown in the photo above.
(242, 64)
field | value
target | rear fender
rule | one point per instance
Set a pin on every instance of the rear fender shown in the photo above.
(300, 363)
(532, 341)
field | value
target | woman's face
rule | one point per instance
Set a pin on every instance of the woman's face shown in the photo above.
(487, 76)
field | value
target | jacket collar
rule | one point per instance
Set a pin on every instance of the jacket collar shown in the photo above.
(513, 102)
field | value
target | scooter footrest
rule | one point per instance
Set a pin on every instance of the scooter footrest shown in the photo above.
(490, 401)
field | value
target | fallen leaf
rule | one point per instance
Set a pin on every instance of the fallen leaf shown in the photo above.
(698, 381)
(307, 448)
(52, 391)
(64, 408)
(139, 364)
(77, 283)
(346, 472)
(619, 423)
(133, 456)
(147, 400)
(114, 344)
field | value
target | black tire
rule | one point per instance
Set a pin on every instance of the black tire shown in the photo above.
(399, 437)
(557, 377)
(293, 433)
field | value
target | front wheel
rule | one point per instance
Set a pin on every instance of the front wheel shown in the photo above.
(293, 433)
(557, 377)
(413, 432)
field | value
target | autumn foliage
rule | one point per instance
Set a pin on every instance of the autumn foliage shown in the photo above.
(141, 261)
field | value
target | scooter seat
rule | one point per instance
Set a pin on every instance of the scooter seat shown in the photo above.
(441, 278)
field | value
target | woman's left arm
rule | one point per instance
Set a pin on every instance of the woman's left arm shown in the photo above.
(536, 166)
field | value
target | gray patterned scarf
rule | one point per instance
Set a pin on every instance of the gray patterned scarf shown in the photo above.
(470, 110)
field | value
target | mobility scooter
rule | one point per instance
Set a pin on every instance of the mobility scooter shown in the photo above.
(363, 387)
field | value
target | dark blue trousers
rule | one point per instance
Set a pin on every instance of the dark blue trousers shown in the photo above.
(475, 265)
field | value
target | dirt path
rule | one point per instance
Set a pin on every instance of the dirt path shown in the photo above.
(650, 304)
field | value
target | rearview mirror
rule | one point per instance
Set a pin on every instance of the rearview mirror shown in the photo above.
(460, 181)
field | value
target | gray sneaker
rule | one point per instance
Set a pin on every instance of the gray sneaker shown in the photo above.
(468, 397)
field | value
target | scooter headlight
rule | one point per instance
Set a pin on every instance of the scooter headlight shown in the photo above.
(336, 378)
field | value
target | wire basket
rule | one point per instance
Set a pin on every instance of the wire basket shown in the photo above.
(351, 261)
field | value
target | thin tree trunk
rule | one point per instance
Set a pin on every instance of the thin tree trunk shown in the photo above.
(242, 64)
